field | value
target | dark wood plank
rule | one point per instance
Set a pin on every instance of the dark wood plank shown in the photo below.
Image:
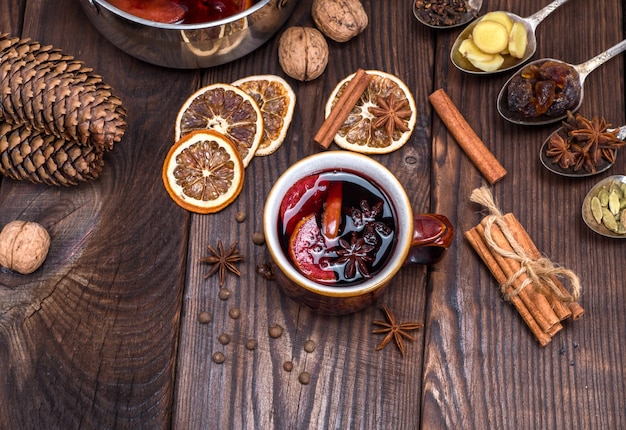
(352, 384)
(483, 368)
(90, 339)
(106, 333)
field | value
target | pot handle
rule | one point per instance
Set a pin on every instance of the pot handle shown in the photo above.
(432, 235)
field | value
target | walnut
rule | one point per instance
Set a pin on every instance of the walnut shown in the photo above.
(340, 20)
(23, 246)
(303, 53)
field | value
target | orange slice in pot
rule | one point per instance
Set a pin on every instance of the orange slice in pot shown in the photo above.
(228, 110)
(382, 120)
(203, 172)
(277, 102)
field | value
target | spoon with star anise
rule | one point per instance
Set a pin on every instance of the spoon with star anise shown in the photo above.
(582, 147)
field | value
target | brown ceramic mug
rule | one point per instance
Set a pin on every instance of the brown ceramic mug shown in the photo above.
(415, 239)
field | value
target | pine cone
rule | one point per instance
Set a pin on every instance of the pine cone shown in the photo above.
(51, 92)
(26, 154)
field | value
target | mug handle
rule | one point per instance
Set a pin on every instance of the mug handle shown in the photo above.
(432, 235)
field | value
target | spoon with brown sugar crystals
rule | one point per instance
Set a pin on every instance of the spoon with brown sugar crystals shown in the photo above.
(544, 90)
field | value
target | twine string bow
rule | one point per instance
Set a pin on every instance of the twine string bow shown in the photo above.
(539, 272)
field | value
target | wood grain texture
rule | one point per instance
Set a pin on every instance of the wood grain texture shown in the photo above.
(106, 333)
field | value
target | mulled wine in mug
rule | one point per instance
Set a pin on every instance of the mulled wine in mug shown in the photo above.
(339, 226)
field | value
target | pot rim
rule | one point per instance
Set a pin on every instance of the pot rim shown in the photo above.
(197, 26)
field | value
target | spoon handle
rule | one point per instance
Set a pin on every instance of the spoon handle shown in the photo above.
(540, 15)
(621, 132)
(590, 65)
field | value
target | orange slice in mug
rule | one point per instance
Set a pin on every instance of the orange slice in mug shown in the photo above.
(305, 245)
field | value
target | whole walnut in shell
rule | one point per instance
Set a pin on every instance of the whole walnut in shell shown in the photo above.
(340, 20)
(303, 53)
(23, 246)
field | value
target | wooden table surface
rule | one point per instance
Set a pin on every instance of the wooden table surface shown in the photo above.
(106, 333)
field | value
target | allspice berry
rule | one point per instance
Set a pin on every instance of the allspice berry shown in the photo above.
(275, 330)
(23, 246)
(304, 378)
(303, 53)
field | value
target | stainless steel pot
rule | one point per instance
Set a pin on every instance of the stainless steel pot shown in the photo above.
(189, 46)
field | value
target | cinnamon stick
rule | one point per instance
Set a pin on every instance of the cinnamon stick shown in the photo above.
(466, 137)
(481, 248)
(536, 303)
(575, 310)
(342, 108)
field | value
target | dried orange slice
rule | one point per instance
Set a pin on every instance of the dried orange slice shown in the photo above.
(382, 120)
(228, 110)
(203, 172)
(277, 102)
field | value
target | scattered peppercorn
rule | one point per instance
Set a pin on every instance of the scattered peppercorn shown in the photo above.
(240, 216)
(204, 317)
(224, 338)
(219, 357)
(234, 313)
(265, 270)
(305, 378)
(251, 344)
(258, 238)
(275, 330)
(288, 366)
(309, 346)
(224, 293)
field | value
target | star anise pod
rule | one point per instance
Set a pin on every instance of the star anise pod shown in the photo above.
(594, 131)
(584, 157)
(223, 260)
(367, 217)
(391, 114)
(395, 331)
(355, 255)
(559, 151)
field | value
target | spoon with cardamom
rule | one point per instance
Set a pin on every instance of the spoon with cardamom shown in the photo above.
(444, 14)
(498, 41)
(556, 88)
(582, 147)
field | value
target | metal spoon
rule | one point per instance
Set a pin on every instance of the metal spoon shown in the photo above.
(510, 62)
(555, 168)
(582, 70)
(473, 7)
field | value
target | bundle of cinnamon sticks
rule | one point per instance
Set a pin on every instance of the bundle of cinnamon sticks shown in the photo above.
(529, 281)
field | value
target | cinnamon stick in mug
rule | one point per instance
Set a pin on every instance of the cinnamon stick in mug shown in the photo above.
(466, 137)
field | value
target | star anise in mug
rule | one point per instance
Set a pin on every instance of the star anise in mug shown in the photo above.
(355, 255)
(367, 217)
